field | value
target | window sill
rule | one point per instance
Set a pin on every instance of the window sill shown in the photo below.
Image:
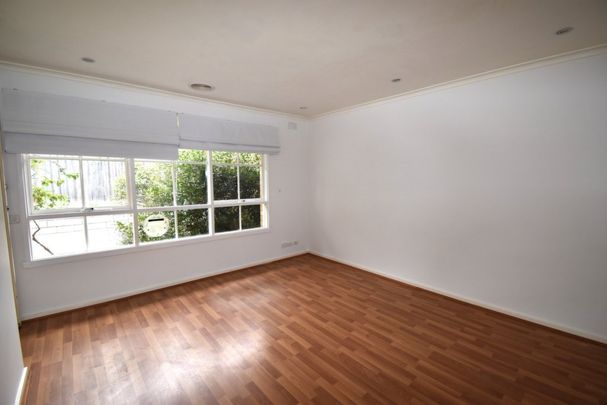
(143, 247)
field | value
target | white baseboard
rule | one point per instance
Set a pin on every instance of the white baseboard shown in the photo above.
(21, 388)
(525, 317)
(458, 297)
(56, 310)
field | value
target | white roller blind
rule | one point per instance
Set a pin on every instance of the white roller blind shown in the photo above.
(217, 134)
(65, 145)
(45, 123)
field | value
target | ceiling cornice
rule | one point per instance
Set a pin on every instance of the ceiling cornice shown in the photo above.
(533, 64)
(78, 77)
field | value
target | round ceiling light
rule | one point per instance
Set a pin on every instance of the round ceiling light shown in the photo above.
(201, 87)
(87, 59)
(564, 30)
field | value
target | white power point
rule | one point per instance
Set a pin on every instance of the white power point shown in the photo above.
(289, 244)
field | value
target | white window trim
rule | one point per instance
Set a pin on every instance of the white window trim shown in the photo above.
(28, 179)
(161, 244)
(133, 210)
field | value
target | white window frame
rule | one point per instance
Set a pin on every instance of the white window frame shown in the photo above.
(28, 179)
(133, 210)
(239, 202)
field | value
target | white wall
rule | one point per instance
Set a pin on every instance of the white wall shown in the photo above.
(11, 360)
(51, 288)
(494, 191)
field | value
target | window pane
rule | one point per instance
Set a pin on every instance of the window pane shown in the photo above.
(250, 182)
(57, 237)
(192, 222)
(191, 184)
(105, 183)
(250, 158)
(192, 155)
(154, 183)
(226, 219)
(154, 226)
(55, 184)
(224, 157)
(251, 216)
(109, 231)
(225, 183)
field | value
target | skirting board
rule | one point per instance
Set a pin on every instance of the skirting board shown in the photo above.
(20, 396)
(562, 328)
(159, 286)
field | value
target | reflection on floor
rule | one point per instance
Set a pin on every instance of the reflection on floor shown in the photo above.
(303, 330)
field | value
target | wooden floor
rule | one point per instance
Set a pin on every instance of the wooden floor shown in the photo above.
(303, 330)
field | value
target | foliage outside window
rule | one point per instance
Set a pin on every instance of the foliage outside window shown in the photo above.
(87, 204)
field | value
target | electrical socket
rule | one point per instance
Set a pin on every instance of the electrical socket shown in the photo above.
(289, 244)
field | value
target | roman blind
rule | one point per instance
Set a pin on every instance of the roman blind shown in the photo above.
(200, 132)
(44, 123)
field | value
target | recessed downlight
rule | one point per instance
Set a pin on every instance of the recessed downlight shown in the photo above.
(564, 30)
(303, 107)
(396, 80)
(87, 59)
(201, 87)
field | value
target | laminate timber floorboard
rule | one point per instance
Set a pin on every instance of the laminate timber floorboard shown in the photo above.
(303, 330)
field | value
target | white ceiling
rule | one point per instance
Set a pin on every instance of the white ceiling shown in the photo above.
(283, 54)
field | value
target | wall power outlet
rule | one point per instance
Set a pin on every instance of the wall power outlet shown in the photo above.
(289, 244)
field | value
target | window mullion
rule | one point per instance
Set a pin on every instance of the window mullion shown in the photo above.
(264, 192)
(238, 190)
(240, 217)
(29, 201)
(86, 227)
(81, 182)
(28, 193)
(132, 188)
(174, 174)
(173, 208)
(210, 193)
(78, 214)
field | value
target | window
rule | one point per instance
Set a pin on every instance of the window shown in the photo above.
(237, 189)
(80, 204)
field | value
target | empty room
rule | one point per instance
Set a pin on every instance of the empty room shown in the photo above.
(303, 202)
